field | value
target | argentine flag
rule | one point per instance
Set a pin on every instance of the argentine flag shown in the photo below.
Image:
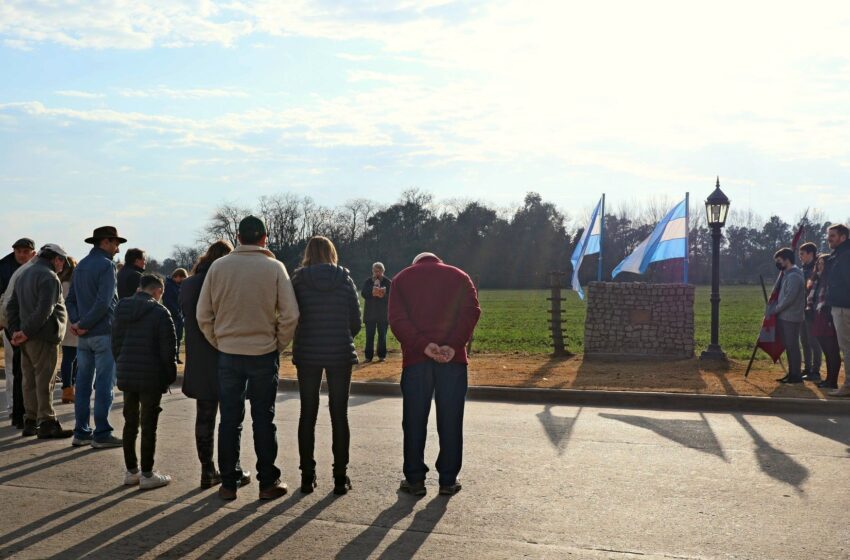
(589, 244)
(669, 240)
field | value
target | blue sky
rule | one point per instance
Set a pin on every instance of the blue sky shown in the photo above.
(147, 114)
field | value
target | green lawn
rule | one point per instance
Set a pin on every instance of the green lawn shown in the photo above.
(516, 321)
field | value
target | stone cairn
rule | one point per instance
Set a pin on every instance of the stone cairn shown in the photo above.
(639, 320)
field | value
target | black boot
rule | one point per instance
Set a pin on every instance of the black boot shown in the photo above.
(308, 482)
(30, 428)
(209, 476)
(342, 484)
(51, 429)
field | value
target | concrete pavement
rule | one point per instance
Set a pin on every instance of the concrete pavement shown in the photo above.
(540, 481)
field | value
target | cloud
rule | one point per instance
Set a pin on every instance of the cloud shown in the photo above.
(190, 93)
(80, 94)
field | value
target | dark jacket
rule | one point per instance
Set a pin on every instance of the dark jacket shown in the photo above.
(8, 266)
(375, 309)
(144, 345)
(128, 280)
(37, 307)
(838, 282)
(93, 296)
(200, 378)
(329, 316)
(433, 302)
(171, 300)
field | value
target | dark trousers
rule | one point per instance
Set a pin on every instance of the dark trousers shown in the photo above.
(205, 415)
(831, 351)
(371, 327)
(144, 407)
(68, 369)
(791, 338)
(178, 330)
(811, 349)
(309, 384)
(18, 389)
(446, 383)
(254, 377)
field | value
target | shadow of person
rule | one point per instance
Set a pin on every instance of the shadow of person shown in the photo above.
(412, 539)
(279, 537)
(368, 540)
(558, 428)
(41, 528)
(693, 434)
(773, 462)
(212, 531)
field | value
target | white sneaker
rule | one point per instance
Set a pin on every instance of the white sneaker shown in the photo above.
(154, 481)
(131, 479)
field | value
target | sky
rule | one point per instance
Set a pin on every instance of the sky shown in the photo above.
(146, 115)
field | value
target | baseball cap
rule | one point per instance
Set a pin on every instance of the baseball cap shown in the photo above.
(24, 243)
(252, 226)
(55, 248)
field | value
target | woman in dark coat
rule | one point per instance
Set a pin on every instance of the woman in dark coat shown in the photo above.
(200, 378)
(376, 295)
(324, 341)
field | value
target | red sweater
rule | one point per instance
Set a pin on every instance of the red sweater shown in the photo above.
(432, 302)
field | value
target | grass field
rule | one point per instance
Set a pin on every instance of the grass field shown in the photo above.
(516, 321)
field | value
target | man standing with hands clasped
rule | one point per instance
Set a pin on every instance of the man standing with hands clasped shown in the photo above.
(433, 310)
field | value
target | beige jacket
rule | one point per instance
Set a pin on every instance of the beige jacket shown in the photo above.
(10, 289)
(247, 305)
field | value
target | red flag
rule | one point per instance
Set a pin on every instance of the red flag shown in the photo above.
(770, 339)
(797, 237)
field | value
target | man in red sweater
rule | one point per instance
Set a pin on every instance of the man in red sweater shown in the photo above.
(433, 310)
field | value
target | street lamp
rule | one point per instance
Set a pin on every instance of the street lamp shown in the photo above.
(716, 210)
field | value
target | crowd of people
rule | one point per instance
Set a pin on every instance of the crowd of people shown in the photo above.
(240, 309)
(813, 310)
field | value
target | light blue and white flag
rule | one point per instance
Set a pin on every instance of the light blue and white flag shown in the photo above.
(589, 244)
(669, 240)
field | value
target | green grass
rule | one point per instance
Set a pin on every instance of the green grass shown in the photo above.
(517, 321)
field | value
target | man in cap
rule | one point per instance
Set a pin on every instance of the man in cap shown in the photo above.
(23, 251)
(248, 312)
(37, 319)
(91, 308)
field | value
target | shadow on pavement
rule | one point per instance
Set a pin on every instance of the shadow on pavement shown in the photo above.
(773, 462)
(558, 428)
(693, 434)
(411, 540)
(837, 429)
(367, 541)
(279, 537)
(37, 530)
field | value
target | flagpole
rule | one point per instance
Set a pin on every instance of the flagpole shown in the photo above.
(687, 235)
(601, 238)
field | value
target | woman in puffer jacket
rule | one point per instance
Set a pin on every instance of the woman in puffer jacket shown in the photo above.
(324, 342)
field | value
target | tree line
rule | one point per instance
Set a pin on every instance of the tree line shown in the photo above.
(499, 247)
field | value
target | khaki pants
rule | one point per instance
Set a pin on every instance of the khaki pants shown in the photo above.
(38, 362)
(841, 318)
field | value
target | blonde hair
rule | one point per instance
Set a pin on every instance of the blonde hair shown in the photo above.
(319, 250)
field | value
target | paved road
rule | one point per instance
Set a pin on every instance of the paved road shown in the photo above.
(539, 482)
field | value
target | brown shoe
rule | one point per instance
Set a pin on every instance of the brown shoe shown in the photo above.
(226, 493)
(67, 395)
(274, 491)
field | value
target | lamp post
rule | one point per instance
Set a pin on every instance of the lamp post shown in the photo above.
(716, 210)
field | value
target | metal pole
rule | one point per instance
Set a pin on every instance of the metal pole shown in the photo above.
(601, 238)
(714, 351)
(687, 235)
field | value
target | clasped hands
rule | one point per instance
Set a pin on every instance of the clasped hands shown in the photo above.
(18, 338)
(76, 330)
(440, 354)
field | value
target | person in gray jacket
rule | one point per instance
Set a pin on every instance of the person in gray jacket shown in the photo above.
(37, 320)
(790, 310)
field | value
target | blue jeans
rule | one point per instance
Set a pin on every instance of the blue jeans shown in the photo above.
(446, 383)
(95, 369)
(254, 377)
(381, 327)
(68, 369)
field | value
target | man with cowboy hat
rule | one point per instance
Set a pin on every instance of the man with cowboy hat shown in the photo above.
(91, 307)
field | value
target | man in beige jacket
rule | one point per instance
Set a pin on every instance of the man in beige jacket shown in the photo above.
(248, 311)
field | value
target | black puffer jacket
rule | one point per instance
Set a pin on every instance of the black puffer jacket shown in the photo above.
(144, 345)
(329, 316)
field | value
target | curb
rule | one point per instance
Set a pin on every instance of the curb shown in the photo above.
(611, 399)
